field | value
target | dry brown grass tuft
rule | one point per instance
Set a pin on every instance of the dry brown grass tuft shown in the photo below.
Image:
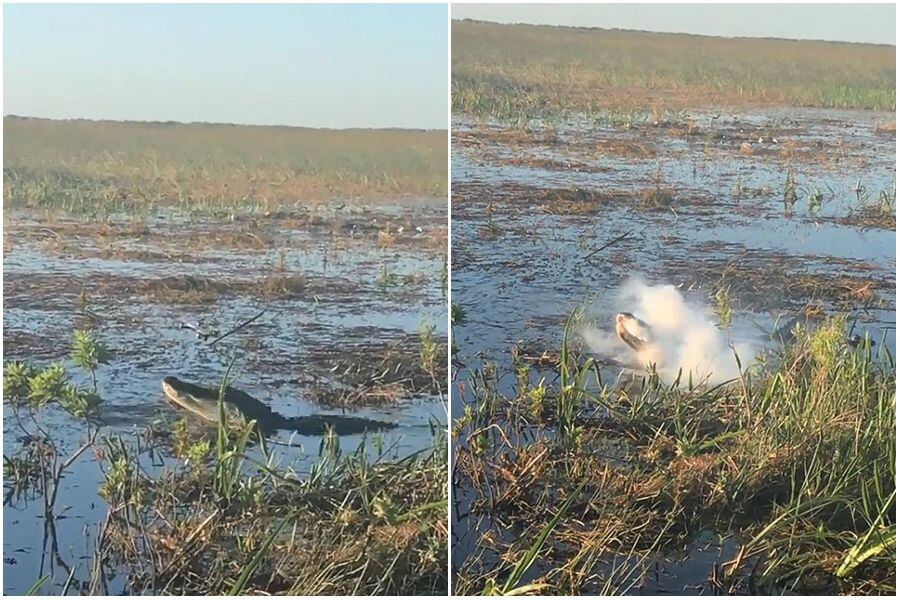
(386, 239)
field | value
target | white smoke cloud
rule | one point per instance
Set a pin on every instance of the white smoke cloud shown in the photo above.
(684, 336)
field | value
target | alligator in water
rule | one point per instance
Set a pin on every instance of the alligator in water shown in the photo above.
(636, 333)
(204, 402)
(631, 330)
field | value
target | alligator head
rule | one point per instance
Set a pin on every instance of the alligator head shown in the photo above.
(198, 400)
(632, 330)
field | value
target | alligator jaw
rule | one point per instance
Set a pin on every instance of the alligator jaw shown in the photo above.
(631, 330)
(185, 400)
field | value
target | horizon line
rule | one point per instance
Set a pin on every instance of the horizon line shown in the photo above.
(220, 123)
(705, 35)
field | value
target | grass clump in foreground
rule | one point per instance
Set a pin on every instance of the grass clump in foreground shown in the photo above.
(519, 72)
(223, 523)
(795, 462)
(109, 166)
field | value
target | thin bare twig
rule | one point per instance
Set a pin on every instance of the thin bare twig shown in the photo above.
(238, 328)
(608, 244)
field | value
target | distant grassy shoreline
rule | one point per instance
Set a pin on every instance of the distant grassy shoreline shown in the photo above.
(527, 71)
(171, 123)
(136, 166)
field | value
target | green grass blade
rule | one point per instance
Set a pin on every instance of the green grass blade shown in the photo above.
(238, 588)
(877, 540)
(36, 586)
(526, 561)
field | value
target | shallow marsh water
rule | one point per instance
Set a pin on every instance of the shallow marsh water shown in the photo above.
(335, 294)
(532, 210)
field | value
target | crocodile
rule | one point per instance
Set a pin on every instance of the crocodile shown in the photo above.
(203, 402)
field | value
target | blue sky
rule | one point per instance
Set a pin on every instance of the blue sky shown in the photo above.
(870, 23)
(309, 65)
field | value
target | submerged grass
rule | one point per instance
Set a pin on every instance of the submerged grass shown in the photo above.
(795, 461)
(520, 72)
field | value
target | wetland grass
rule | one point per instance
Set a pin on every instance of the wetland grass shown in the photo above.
(872, 210)
(102, 167)
(722, 306)
(457, 314)
(793, 462)
(656, 198)
(350, 526)
(523, 72)
(429, 353)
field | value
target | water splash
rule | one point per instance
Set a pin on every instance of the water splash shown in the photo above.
(685, 337)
